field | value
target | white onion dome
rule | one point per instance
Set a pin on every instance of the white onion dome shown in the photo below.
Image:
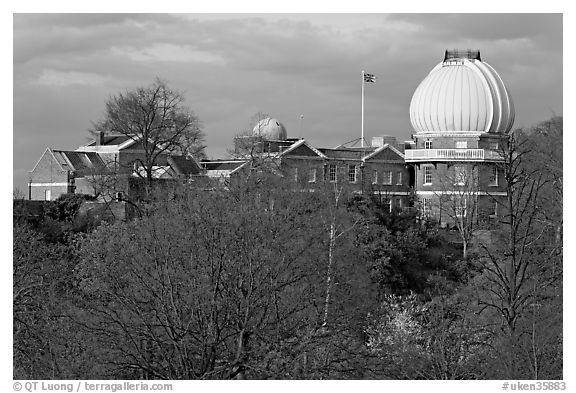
(270, 129)
(462, 93)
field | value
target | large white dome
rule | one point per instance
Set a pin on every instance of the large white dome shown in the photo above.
(462, 93)
(270, 129)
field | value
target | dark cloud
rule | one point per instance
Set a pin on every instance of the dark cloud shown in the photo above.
(483, 27)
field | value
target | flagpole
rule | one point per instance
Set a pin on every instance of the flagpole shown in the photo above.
(362, 126)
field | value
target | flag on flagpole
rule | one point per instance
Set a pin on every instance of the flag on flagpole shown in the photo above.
(369, 78)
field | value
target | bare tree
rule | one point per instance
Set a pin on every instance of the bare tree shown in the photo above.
(459, 200)
(206, 286)
(337, 222)
(155, 117)
(250, 145)
(519, 265)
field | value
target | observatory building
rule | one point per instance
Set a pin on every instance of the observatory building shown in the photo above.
(461, 113)
(451, 169)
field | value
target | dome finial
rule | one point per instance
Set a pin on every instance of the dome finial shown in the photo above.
(462, 54)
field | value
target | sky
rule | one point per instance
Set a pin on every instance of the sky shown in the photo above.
(303, 69)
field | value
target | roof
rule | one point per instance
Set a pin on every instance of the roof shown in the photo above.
(221, 165)
(184, 165)
(110, 140)
(462, 93)
(222, 168)
(382, 148)
(302, 142)
(82, 163)
(354, 154)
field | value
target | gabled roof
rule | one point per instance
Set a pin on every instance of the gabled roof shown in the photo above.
(302, 142)
(382, 148)
(81, 163)
(110, 143)
(49, 151)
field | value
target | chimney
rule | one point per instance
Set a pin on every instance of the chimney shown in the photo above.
(100, 138)
(381, 140)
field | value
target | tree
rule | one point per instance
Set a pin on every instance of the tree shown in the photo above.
(250, 145)
(219, 285)
(156, 117)
(523, 263)
(459, 201)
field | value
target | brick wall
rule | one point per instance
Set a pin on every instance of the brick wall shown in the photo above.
(48, 171)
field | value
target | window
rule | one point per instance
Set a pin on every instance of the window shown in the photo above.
(388, 205)
(460, 207)
(495, 210)
(459, 175)
(494, 146)
(375, 176)
(461, 144)
(312, 175)
(47, 195)
(352, 173)
(399, 178)
(296, 174)
(427, 144)
(399, 203)
(427, 175)
(426, 206)
(493, 176)
(387, 178)
(332, 173)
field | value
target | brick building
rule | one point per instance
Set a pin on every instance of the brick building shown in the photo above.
(378, 169)
(85, 170)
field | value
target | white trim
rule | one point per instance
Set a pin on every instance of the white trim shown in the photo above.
(98, 149)
(300, 143)
(382, 148)
(312, 179)
(330, 166)
(456, 192)
(49, 184)
(424, 168)
(387, 178)
(42, 156)
(459, 134)
(406, 193)
(238, 168)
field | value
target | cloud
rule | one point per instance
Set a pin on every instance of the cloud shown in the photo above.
(69, 78)
(169, 53)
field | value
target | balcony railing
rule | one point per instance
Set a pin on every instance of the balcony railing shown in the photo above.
(451, 155)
